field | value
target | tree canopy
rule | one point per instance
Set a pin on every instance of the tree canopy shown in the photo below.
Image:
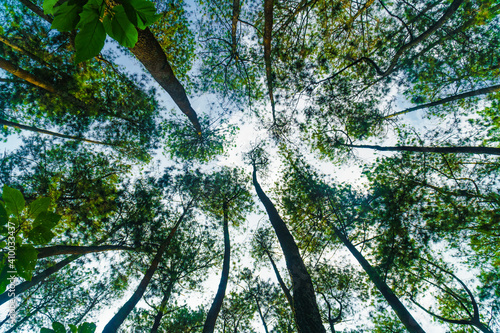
(333, 168)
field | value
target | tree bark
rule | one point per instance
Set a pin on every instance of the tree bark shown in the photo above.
(22, 287)
(472, 93)
(44, 252)
(268, 30)
(149, 52)
(117, 320)
(406, 318)
(221, 291)
(42, 131)
(306, 310)
(444, 150)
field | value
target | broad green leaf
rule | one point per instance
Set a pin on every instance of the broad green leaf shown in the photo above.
(48, 6)
(14, 200)
(92, 12)
(47, 219)
(3, 273)
(73, 328)
(42, 226)
(145, 12)
(58, 327)
(89, 41)
(26, 256)
(4, 217)
(38, 206)
(87, 328)
(66, 17)
(118, 26)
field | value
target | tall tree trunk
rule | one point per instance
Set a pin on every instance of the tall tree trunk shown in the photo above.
(22, 287)
(149, 52)
(444, 150)
(42, 131)
(282, 284)
(163, 304)
(406, 318)
(306, 310)
(115, 322)
(472, 93)
(268, 30)
(261, 315)
(50, 251)
(234, 25)
(221, 291)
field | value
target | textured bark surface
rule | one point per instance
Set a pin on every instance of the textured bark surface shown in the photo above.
(213, 313)
(406, 318)
(306, 312)
(268, 30)
(149, 52)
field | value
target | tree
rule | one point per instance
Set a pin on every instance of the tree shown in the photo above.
(305, 308)
(412, 235)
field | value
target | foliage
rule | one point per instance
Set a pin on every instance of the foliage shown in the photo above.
(22, 228)
(95, 19)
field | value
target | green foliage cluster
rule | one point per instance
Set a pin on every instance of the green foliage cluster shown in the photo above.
(22, 228)
(94, 220)
(94, 19)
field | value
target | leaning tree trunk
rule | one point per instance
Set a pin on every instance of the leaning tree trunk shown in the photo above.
(22, 287)
(468, 94)
(149, 52)
(56, 250)
(282, 284)
(221, 291)
(444, 150)
(306, 310)
(125, 310)
(42, 131)
(403, 314)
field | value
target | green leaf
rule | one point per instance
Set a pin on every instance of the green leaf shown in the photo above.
(42, 226)
(66, 17)
(48, 6)
(145, 12)
(14, 200)
(73, 328)
(38, 206)
(119, 27)
(89, 41)
(4, 217)
(26, 257)
(58, 327)
(3, 273)
(92, 12)
(87, 328)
